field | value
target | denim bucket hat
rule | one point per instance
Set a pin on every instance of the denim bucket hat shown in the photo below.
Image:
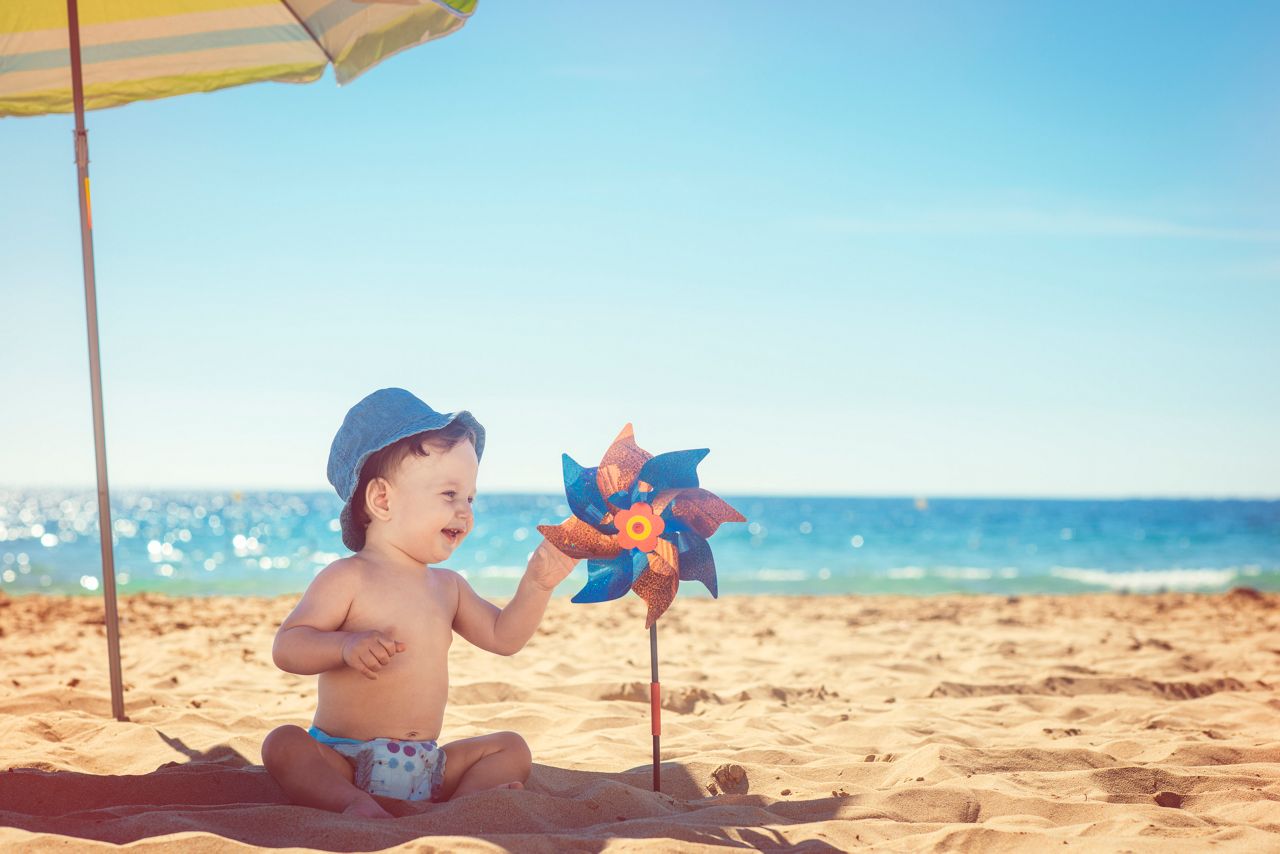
(381, 419)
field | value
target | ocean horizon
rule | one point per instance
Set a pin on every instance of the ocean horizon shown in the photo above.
(270, 542)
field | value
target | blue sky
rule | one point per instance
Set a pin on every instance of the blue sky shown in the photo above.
(1021, 249)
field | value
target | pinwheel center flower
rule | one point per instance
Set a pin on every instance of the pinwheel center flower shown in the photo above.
(639, 527)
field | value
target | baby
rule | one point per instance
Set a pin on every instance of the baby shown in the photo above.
(377, 625)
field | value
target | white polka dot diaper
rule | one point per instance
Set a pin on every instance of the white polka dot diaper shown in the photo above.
(391, 767)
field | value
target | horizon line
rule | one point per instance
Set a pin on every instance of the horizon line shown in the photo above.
(904, 496)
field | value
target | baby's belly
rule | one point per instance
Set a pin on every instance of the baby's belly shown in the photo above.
(403, 702)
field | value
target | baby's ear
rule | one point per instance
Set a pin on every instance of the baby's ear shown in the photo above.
(377, 499)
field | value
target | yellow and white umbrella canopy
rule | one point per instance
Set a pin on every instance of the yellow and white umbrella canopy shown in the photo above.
(135, 50)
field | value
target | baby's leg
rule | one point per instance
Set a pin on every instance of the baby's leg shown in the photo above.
(314, 775)
(500, 760)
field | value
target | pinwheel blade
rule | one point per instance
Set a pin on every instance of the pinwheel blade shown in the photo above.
(703, 511)
(584, 496)
(674, 470)
(609, 579)
(665, 557)
(658, 583)
(621, 500)
(577, 539)
(696, 562)
(621, 463)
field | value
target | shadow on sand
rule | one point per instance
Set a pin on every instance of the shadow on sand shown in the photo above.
(220, 792)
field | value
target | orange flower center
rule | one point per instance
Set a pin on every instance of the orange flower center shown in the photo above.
(638, 527)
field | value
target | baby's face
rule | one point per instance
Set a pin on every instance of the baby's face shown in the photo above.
(431, 501)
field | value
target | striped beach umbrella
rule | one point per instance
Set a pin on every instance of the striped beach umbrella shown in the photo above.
(137, 50)
(60, 56)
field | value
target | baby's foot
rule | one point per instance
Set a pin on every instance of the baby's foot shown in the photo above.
(366, 807)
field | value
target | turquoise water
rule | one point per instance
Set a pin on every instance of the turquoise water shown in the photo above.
(266, 543)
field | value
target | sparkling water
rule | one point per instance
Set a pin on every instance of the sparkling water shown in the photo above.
(266, 543)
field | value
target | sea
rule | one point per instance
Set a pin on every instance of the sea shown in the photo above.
(196, 543)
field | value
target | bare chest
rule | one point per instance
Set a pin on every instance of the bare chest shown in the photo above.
(418, 612)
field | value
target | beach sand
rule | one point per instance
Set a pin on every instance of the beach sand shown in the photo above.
(1103, 723)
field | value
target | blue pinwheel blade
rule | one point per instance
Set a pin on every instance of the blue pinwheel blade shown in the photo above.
(674, 527)
(674, 470)
(696, 563)
(608, 579)
(584, 496)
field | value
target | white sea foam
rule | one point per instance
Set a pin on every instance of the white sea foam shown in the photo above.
(906, 572)
(964, 573)
(1176, 578)
(781, 575)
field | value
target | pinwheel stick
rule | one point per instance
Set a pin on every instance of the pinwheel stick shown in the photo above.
(655, 703)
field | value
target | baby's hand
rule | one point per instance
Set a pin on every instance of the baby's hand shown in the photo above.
(369, 651)
(548, 566)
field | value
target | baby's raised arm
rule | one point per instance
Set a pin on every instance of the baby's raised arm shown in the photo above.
(505, 631)
(308, 641)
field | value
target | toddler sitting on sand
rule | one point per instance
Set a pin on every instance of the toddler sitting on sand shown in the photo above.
(377, 626)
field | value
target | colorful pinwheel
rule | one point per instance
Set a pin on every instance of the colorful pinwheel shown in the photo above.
(641, 522)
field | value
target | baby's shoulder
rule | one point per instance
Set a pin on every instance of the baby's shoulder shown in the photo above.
(448, 578)
(350, 565)
(447, 584)
(343, 573)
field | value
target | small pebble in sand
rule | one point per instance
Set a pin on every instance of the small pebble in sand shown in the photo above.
(1169, 799)
(786, 792)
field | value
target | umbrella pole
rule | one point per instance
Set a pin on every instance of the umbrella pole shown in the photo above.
(95, 368)
(655, 703)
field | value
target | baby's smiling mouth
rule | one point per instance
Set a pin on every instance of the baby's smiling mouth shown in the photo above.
(454, 534)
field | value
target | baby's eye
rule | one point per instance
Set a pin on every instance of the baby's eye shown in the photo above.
(451, 493)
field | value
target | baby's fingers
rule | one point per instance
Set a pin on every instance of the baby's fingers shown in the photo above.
(369, 665)
(391, 646)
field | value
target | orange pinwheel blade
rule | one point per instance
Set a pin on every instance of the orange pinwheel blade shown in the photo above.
(657, 585)
(621, 463)
(577, 539)
(702, 510)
